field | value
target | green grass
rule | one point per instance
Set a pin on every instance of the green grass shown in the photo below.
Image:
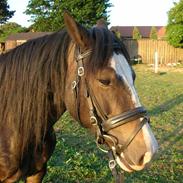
(77, 160)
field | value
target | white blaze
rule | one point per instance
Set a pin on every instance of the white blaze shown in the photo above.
(122, 68)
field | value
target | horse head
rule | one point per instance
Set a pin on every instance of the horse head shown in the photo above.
(100, 93)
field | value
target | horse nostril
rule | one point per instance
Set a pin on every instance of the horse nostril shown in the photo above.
(145, 158)
(141, 160)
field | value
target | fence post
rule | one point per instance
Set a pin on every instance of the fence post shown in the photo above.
(156, 62)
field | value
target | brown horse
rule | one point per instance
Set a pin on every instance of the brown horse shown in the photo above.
(83, 71)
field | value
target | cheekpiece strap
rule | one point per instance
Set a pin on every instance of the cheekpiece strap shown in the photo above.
(119, 176)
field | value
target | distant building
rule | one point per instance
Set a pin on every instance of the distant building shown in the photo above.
(127, 31)
(19, 38)
(161, 33)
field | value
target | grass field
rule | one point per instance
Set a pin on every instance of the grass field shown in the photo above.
(77, 160)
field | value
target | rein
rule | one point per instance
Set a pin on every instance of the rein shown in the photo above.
(100, 120)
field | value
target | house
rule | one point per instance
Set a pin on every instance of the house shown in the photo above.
(19, 38)
(161, 33)
(127, 31)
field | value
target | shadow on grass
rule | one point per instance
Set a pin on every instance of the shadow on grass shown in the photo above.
(166, 106)
(162, 73)
(77, 159)
(170, 138)
(167, 141)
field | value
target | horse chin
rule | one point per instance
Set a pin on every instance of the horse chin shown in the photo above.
(122, 162)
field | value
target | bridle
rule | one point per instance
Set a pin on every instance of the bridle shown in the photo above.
(100, 120)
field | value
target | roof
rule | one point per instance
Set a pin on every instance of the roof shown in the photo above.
(127, 31)
(26, 35)
(162, 32)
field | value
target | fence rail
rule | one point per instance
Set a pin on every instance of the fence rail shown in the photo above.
(146, 48)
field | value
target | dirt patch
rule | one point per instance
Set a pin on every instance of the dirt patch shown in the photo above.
(161, 69)
(169, 69)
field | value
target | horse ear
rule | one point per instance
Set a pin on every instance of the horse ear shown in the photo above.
(78, 33)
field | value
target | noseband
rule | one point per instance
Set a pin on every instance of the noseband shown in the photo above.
(101, 121)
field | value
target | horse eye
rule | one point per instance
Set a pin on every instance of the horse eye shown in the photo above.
(105, 82)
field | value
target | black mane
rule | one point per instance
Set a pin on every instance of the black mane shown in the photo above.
(32, 80)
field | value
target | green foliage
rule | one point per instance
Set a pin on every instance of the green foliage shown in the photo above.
(175, 35)
(153, 33)
(10, 28)
(5, 13)
(175, 25)
(136, 33)
(118, 34)
(47, 15)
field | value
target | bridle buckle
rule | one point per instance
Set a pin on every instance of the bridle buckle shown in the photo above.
(80, 71)
(93, 120)
(73, 85)
(112, 164)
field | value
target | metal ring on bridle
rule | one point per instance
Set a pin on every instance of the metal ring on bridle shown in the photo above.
(112, 164)
(74, 84)
(101, 146)
(80, 71)
(93, 120)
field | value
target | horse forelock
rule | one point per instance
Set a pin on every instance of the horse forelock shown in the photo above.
(103, 44)
(32, 80)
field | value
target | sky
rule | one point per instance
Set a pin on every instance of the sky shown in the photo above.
(123, 12)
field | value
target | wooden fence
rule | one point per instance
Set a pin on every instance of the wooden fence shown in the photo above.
(146, 48)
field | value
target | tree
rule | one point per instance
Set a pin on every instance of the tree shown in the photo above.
(10, 28)
(5, 13)
(174, 29)
(47, 15)
(116, 32)
(136, 33)
(153, 33)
